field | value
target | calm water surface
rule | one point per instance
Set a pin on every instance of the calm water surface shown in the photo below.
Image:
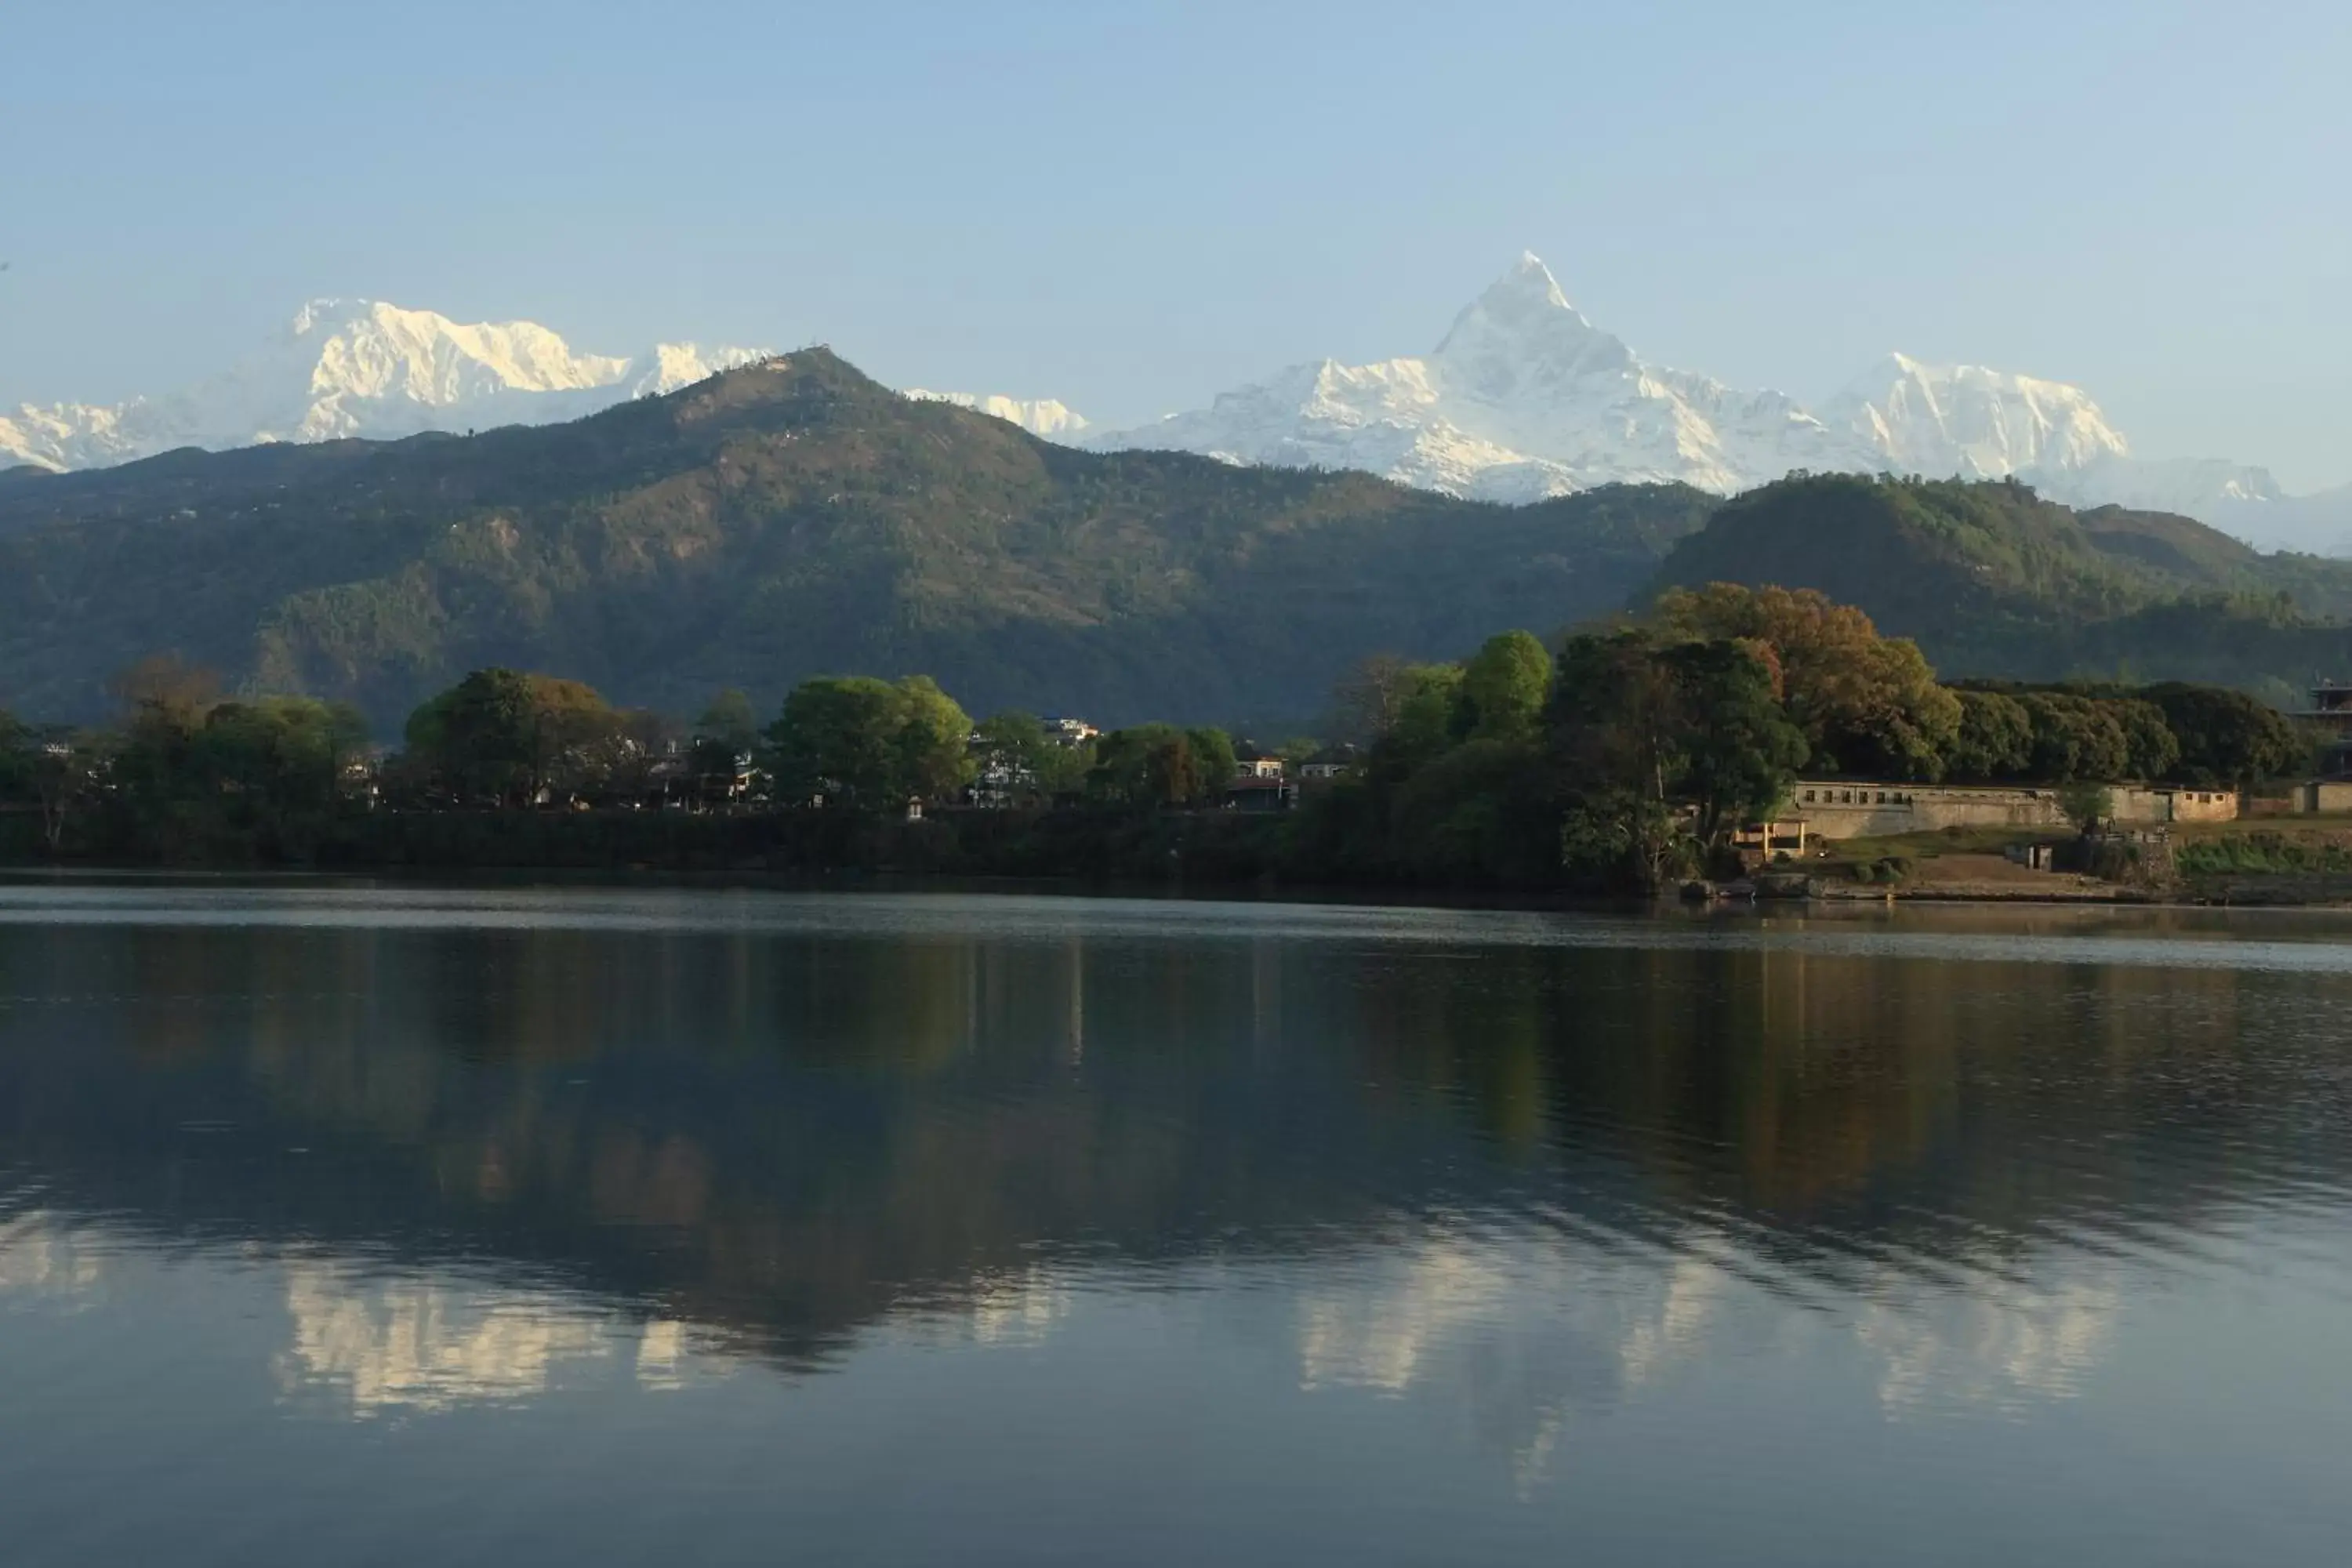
(359, 1225)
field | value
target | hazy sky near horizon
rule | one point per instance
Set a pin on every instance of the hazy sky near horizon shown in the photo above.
(1132, 206)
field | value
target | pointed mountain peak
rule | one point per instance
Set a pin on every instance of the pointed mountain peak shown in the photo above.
(1524, 318)
(1530, 278)
(327, 315)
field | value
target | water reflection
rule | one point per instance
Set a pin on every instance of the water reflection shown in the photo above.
(410, 1344)
(39, 1256)
(1514, 1174)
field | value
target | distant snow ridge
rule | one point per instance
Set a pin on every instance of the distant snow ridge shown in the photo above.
(1525, 398)
(362, 368)
(1039, 416)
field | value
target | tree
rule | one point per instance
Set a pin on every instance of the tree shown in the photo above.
(1867, 704)
(2150, 750)
(1738, 750)
(1994, 739)
(2227, 737)
(1152, 766)
(1612, 721)
(164, 689)
(1504, 689)
(1664, 747)
(1366, 702)
(2087, 805)
(870, 745)
(502, 737)
(934, 741)
(1423, 721)
(2073, 738)
(1214, 757)
(728, 721)
(54, 768)
(1030, 761)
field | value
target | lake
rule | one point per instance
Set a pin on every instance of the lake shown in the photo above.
(355, 1225)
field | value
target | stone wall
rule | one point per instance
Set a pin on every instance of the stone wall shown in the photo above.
(1844, 809)
(2132, 804)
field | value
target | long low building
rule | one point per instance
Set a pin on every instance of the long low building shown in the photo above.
(1847, 808)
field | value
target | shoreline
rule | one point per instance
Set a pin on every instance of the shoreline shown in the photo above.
(1835, 897)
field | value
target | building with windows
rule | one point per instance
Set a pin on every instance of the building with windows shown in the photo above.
(2331, 711)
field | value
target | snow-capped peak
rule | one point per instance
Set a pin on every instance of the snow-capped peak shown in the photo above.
(1040, 417)
(1525, 397)
(363, 367)
(1970, 420)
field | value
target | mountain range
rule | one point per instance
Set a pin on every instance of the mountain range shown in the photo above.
(792, 517)
(362, 368)
(1523, 399)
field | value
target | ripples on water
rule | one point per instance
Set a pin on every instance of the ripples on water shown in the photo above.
(1023, 1229)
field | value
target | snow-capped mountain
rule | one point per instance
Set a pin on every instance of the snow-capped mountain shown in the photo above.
(362, 367)
(1525, 398)
(1970, 421)
(1039, 416)
(1988, 424)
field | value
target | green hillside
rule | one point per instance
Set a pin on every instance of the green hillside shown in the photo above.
(782, 520)
(1993, 581)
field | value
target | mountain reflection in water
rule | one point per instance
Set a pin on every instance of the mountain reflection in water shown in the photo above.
(1524, 1192)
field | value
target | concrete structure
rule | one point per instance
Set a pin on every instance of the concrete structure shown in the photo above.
(2130, 803)
(2324, 794)
(1758, 843)
(2331, 709)
(1844, 808)
(1258, 768)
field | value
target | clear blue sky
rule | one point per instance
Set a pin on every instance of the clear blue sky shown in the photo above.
(1131, 205)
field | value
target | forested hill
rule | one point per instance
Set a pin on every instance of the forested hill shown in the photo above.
(1994, 582)
(782, 520)
(794, 518)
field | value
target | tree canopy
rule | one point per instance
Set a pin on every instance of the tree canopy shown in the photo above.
(870, 745)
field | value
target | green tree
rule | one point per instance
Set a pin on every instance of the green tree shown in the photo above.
(934, 746)
(1867, 704)
(1152, 766)
(1664, 747)
(2150, 749)
(2087, 805)
(1614, 722)
(1424, 723)
(502, 737)
(1504, 689)
(1025, 748)
(1214, 761)
(870, 745)
(2075, 739)
(729, 723)
(1737, 751)
(2227, 737)
(56, 770)
(1994, 739)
